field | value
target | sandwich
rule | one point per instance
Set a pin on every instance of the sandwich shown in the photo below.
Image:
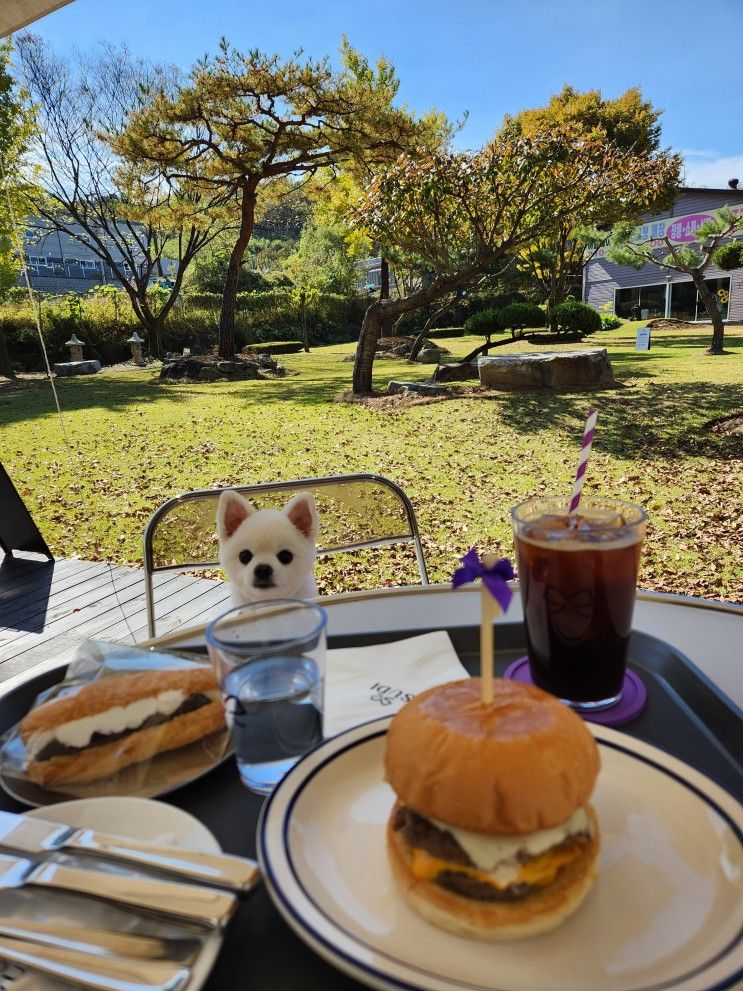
(112, 723)
(492, 834)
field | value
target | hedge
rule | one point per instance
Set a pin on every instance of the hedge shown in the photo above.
(277, 347)
(193, 322)
(445, 332)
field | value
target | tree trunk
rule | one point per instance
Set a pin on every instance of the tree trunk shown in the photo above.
(5, 366)
(303, 305)
(229, 295)
(155, 329)
(382, 310)
(713, 312)
(371, 331)
(384, 293)
(418, 343)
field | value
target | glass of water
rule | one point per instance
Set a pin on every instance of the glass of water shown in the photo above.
(269, 658)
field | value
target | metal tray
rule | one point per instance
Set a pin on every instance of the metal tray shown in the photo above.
(685, 715)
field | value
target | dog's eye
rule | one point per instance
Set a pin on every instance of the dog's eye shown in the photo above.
(285, 557)
(245, 557)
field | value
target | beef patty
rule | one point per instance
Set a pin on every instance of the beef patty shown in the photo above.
(417, 831)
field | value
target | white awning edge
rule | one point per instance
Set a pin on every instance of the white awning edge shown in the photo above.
(16, 14)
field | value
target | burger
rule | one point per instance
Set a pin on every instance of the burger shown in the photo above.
(492, 834)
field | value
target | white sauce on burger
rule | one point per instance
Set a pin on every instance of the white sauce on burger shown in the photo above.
(487, 851)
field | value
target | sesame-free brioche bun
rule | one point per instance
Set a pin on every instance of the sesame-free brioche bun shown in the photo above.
(540, 912)
(524, 763)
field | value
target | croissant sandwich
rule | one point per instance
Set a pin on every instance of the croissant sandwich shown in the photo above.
(110, 724)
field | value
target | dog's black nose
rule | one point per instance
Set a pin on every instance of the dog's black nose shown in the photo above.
(263, 573)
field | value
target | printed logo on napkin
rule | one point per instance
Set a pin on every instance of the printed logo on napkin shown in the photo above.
(363, 683)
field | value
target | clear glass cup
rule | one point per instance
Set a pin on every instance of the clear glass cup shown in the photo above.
(578, 578)
(269, 658)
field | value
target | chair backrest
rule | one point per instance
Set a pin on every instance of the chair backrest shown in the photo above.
(356, 512)
(18, 532)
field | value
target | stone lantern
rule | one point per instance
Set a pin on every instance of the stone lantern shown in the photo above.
(76, 348)
(136, 343)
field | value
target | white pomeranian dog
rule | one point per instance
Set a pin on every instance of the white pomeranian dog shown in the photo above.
(268, 553)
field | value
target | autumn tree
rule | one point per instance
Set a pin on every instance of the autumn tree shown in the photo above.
(457, 214)
(629, 122)
(691, 259)
(323, 259)
(243, 121)
(129, 222)
(17, 126)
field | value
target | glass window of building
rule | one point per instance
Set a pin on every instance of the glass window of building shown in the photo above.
(640, 302)
(646, 302)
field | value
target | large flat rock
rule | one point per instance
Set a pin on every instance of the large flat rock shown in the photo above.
(422, 388)
(89, 366)
(585, 368)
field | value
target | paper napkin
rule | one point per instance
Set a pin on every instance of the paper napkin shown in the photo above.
(363, 683)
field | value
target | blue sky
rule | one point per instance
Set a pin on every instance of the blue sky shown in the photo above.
(487, 57)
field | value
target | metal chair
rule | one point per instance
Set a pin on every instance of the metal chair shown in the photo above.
(356, 512)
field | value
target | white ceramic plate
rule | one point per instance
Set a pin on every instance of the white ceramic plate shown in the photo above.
(665, 913)
(137, 818)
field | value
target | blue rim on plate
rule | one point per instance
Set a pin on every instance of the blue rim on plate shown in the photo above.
(291, 886)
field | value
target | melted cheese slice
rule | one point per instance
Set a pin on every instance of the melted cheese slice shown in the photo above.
(537, 872)
(488, 851)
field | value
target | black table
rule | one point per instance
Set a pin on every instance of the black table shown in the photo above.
(685, 715)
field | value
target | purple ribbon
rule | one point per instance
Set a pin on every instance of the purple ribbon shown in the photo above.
(494, 579)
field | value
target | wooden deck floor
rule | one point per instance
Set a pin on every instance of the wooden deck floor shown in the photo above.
(48, 608)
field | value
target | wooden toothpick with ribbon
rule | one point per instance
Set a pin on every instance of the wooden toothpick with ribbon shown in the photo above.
(495, 596)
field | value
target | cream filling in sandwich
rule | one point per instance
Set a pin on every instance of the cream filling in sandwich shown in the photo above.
(502, 860)
(77, 733)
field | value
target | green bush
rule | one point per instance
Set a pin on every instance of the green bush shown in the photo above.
(445, 332)
(609, 321)
(574, 317)
(201, 300)
(484, 322)
(278, 347)
(519, 316)
(105, 323)
(729, 256)
(15, 295)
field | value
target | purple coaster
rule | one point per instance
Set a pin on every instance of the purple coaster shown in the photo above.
(627, 708)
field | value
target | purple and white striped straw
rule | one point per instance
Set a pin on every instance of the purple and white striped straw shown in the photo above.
(585, 451)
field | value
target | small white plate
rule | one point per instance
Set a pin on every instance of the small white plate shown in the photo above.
(140, 819)
(665, 912)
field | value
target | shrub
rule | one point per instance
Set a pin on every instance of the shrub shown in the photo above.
(574, 317)
(201, 300)
(610, 321)
(484, 322)
(445, 332)
(519, 316)
(729, 256)
(276, 347)
(104, 323)
(15, 295)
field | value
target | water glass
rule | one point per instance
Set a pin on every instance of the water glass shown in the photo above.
(269, 658)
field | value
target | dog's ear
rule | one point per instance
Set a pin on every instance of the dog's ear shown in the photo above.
(302, 511)
(232, 509)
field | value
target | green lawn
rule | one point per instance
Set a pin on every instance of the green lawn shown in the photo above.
(464, 462)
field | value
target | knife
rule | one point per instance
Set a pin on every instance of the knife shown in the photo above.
(31, 835)
(86, 939)
(102, 973)
(198, 904)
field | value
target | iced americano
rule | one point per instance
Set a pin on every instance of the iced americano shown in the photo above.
(577, 575)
